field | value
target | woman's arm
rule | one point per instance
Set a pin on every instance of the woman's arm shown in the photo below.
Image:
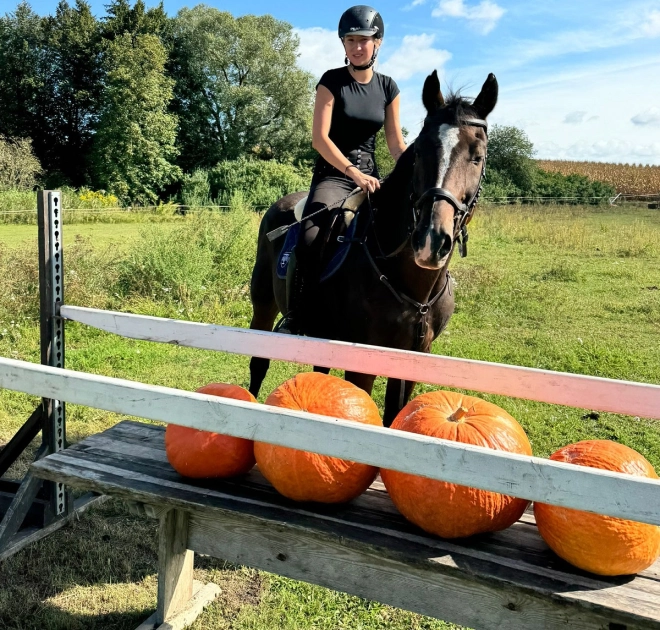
(327, 148)
(393, 135)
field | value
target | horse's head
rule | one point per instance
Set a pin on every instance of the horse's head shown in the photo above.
(450, 154)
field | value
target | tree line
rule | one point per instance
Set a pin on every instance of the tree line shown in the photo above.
(147, 106)
(129, 101)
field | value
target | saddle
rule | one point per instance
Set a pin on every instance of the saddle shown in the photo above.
(338, 238)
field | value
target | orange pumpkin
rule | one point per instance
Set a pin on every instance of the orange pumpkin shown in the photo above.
(304, 476)
(202, 454)
(446, 509)
(593, 542)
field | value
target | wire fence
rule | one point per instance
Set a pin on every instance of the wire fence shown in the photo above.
(184, 209)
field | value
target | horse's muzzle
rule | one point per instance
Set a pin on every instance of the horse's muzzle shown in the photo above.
(431, 248)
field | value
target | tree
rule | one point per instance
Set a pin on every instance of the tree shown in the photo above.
(137, 20)
(238, 89)
(22, 84)
(74, 47)
(382, 154)
(510, 153)
(134, 144)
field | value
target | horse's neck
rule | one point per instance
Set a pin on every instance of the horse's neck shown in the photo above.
(391, 226)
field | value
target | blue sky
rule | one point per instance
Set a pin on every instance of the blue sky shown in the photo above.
(582, 78)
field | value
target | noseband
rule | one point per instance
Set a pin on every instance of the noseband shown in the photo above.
(462, 211)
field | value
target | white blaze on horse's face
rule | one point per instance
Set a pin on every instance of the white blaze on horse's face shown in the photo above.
(449, 139)
(449, 136)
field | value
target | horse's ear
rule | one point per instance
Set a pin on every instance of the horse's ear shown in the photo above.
(485, 102)
(431, 94)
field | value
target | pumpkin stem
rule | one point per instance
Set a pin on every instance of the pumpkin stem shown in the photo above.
(458, 414)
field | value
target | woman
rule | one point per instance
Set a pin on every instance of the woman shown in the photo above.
(352, 104)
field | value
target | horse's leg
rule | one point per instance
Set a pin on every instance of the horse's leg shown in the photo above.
(363, 381)
(394, 402)
(263, 317)
(264, 307)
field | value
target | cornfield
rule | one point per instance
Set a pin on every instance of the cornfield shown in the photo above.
(628, 179)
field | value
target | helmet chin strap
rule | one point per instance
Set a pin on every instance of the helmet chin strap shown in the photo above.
(370, 63)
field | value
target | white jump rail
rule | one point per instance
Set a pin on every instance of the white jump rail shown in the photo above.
(574, 390)
(530, 478)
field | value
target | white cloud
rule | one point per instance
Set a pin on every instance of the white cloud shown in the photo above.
(415, 55)
(320, 49)
(483, 17)
(575, 117)
(618, 151)
(649, 117)
(413, 4)
(587, 88)
(651, 25)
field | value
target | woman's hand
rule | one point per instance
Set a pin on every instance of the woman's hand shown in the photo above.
(366, 182)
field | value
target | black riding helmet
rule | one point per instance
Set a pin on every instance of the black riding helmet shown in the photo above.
(362, 20)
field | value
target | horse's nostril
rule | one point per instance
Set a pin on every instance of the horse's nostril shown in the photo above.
(445, 247)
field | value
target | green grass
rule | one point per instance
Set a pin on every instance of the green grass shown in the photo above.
(569, 289)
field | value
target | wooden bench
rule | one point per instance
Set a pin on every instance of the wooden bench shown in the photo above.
(505, 580)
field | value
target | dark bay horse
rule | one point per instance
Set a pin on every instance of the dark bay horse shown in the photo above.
(394, 290)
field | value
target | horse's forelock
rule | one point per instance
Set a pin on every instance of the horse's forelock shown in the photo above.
(456, 109)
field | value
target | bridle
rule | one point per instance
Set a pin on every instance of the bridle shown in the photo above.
(462, 211)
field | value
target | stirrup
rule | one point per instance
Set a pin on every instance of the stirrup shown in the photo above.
(287, 326)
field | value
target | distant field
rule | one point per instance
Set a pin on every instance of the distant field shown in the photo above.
(628, 179)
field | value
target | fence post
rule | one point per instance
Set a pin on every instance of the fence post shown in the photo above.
(51, 293)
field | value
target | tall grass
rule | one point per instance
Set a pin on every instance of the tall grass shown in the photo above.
(578, 228)
(206, 262)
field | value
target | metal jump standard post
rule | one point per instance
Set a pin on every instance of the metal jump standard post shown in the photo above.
(31, 508)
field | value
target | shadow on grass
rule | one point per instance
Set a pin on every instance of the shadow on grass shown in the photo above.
(100, 573)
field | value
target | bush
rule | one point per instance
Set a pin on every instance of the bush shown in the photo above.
(261, 182)
(196, 189)
(576, 188)
(511, 152)
(19, 168)
(498, 187)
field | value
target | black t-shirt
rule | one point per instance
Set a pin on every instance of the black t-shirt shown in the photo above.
(359, 109)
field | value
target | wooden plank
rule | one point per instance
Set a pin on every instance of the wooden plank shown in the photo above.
(348, 522)
(575, 390)
(422, 584)
(30, 535)
(532, 478)
(21, 440)
(17, 511)
(203, 595)
(175, 565)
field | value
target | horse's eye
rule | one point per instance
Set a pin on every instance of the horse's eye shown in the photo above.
(477, 159)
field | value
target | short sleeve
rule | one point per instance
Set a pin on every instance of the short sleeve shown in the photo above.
(391, 90)
(329, 81)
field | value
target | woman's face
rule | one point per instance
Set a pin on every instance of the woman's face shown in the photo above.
(360, 48)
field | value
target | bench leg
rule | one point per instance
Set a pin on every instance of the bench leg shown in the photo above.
(179, 600)
(175, 565)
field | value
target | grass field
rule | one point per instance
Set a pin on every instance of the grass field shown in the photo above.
(564, 288)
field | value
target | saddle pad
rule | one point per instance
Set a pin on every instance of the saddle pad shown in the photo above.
(336, 261)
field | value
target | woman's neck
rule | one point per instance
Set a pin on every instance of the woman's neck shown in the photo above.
(361, 76)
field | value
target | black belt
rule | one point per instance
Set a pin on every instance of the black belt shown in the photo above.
(362, 159)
